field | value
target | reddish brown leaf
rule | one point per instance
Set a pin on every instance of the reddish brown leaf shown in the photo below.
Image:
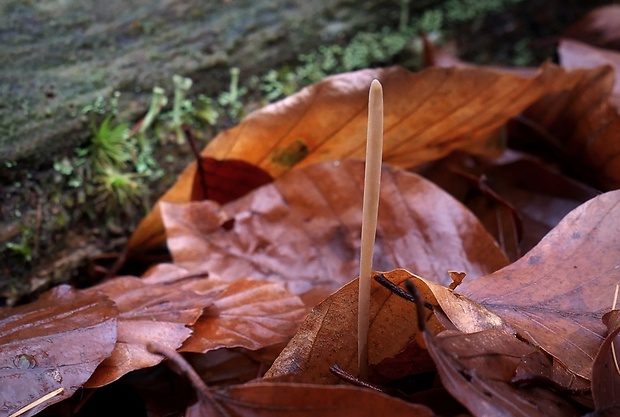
(605, 372)
(557, 293)
(297, 400)
(54, 342)
(148, 313)
(427, 115)
(249, 314)
(304, 230)
(477, 369)
(224, 181)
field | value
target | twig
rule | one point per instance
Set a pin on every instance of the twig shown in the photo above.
(381, 279)
(186, 370)
(613, 349)
(345, 376)
(200, 171)
(38, 402)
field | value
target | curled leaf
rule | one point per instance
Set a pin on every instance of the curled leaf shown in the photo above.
(606, 370)
(477, 369)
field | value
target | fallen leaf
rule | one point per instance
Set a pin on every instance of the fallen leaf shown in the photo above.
(427, 115)
(304, 230)
(605, 372)
(599, 27)
(224, 181)
(249, 314)
(277, 399)
(148, 312)
(517, 197)
(328, 336)
(542, 369)
(227, 366)
(575, 55)
(477, 369)
(581, 126)
(54, 342)
(557, 293)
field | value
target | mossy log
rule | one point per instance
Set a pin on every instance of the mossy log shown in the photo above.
(59, 56)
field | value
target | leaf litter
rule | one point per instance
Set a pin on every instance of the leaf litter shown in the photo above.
(263, 272)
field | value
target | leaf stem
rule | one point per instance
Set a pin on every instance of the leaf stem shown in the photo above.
(372, 179)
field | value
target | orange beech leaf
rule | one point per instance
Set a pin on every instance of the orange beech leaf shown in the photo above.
(556, 294)
(599, 27)
(575, 55)
(477, 369)
(249, 314)
(54, 342)
(148, 312)
(427, 115)
(306, 400)
(328, 336)
(605, 371)
(304, 230)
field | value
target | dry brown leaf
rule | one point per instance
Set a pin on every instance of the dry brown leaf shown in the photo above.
(605, 371)
(575, 55)
(148, 312)
(224, 367)
(599, 27)
(542, 369)
(328, 336)
(297, 400)
(557, 293)
(249, 314)
(583, 126)
(517, 197)
(54, 342)
(304, 230)
(477, 369)
(427, 115)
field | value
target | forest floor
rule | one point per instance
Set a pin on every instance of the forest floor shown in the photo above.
(59, 234)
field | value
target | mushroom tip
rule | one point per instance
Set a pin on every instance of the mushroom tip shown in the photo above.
(376, 85)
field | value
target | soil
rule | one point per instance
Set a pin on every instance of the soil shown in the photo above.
(74, 241)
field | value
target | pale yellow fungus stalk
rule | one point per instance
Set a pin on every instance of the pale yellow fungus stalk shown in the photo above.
(372, 178)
